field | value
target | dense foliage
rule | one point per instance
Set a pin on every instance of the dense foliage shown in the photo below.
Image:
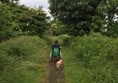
(9, 1)
(29, 20)
(21, 60)
(84, 16)
(94, 58)
(6, 28)
(19, 19)
(57, 27)
(99, 57)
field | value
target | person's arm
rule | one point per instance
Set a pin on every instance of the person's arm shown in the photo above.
(50, 55)
(60, 54)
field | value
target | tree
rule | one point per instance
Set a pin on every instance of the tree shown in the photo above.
(31, 21)
(5, 1)
(77, 14)
(107, 11)
(5, 22)
(9, 1)
(57, 27)
(38, 22)
(84, 16)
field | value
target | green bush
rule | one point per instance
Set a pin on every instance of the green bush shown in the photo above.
(21, 60)
(66, 39)
(99, 55)
(16, 51)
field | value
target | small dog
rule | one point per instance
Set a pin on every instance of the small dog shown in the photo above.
(59, 64)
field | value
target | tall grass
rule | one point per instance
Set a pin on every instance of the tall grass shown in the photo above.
(21, 60)
(96, 56)
(88, 59)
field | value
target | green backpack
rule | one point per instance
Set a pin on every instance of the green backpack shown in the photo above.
(56, 52)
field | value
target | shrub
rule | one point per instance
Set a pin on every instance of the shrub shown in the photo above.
(99, 54)
(16, 51)
(20, 59)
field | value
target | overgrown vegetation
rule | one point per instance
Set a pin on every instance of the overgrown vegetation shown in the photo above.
(96, 56)
(89, 57)
(6, 29)
(21, 60)
(21, 20)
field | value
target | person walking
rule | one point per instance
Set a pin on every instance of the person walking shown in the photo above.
(55, 53)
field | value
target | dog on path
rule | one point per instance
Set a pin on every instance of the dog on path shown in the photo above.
(59, 64)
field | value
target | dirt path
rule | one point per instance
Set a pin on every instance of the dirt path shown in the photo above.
(53, 75)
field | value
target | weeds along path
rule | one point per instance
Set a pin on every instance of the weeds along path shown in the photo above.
(44, 52)
(54, 75)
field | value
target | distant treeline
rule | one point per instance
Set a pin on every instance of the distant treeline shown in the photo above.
(18, 19)
(87, 16)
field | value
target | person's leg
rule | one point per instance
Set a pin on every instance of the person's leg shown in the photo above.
(51, 58)
(60, 55)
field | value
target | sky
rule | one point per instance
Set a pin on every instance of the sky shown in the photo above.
(36, 3)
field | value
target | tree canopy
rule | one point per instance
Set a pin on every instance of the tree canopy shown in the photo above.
(18, 19)
(5, 22)
(83, 16)
(9, 1)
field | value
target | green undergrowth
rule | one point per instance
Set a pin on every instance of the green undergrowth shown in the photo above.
(22, 60)
(91, 59)
(87, 59)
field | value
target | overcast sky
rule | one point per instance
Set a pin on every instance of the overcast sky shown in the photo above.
(36, 3)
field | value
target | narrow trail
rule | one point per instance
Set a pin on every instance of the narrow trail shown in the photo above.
(54, 75)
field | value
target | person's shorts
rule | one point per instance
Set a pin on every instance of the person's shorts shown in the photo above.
(55, 59)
